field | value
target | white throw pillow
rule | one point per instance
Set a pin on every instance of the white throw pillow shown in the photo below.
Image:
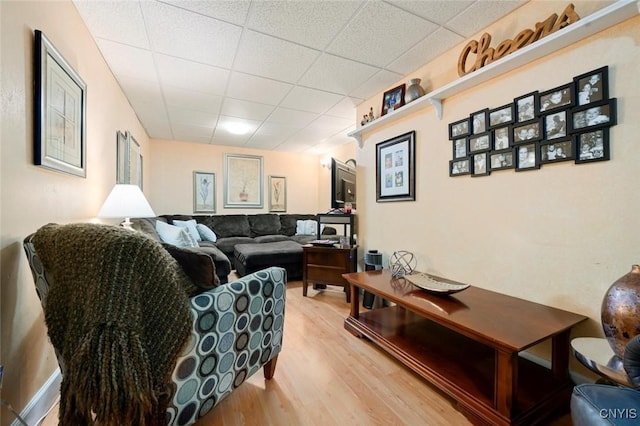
(191, 227)
(175, 235)
(300, 227)
(307, 227)
(206, 233)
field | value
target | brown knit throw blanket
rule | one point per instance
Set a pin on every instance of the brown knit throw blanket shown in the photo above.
(117, 313)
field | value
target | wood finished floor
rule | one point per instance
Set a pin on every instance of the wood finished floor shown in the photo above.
(326, 376)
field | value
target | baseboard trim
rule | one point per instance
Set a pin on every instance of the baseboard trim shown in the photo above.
(42, 401)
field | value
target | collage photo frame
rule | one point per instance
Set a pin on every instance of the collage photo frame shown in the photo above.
(569, 122)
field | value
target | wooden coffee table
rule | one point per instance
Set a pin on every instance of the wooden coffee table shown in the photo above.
(468, 344)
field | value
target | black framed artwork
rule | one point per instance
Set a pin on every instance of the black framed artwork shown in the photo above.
(527, 132)
(555, 125)
(592, 146)
(460, 148)
(592, 86)
(459, 167)
(479, 143)
(556, 151)
(393, 99)
(502, 138)
(395, 168)
(501, 160)
(560, 97)
(526, 106)
(527, 157)
(479, 121)
(459, 128)
(593, 116)
(501, 116)
(480, 164)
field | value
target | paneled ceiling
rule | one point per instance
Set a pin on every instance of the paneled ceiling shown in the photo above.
(271, 75)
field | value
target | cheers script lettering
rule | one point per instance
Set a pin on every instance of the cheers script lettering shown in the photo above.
(485, 54)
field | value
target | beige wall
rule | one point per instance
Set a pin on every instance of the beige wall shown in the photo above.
(559, 235)
(173, 163)
(33, 196)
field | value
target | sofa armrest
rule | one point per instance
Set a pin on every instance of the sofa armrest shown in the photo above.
(237, 329)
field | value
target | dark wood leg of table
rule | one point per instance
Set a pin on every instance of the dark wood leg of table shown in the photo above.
(355, 300)
(560, 355)
(506, 382)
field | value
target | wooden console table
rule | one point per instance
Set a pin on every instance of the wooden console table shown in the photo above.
(325, 265)
(467, 344)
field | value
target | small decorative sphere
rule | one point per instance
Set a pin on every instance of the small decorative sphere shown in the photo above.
(402, 263)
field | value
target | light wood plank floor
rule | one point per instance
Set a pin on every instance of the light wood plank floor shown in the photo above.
(326, 376)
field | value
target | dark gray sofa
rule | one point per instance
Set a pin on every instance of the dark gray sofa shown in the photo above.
(239, 229)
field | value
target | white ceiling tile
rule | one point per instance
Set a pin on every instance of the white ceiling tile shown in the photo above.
(337, 75)
(154, 119)
(310, 23)
(141, 91)
(192, 117)
(328, 126)
(118, 21)
(230, 11)
(268, 56)
(438, 11)
(345, 108)
(257, 89)
(480, 15)
(192, 132)
(310, 100)
(191, 75)
(424, 52)
(295, 118)
(244, 109)
(201, 38)
(382, 80)
(128, 61)
(191, 99)
(370, 39)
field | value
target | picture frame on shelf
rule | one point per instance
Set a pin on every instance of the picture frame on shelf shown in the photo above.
(460, 148)
(593, 116)
(479, 143)
(395, 168)
(592, 86)
(480, 164)
(501, 160)
(555, 125)
(526, 107)
(122, 153)
(527, 132)
(277, 194)
(559, 97)
(393, 99)
(592, 146)
(527, 157)
(556, 151)
(501, 116)
(60, 103)
(204, 192)
(459, 128)
(479, 121)
(459, 167)
(502, 138)
(243, 181)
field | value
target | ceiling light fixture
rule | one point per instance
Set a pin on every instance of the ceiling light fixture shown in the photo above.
(237, 128)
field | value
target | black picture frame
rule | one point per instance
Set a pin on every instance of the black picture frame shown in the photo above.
(502, 160)
(500, 116)
(592, 146)
(592, 86)
(479, 143)
(556, 151)
(555, 124)
(525, 107)
(556, 98)
(529, 131)
(479, 121)
(395, 168)
(480, 164)
(59, 136)
(460, 167)
(502, 138)
(393, 99)
(459, 128)
(529, 160)
(460, 148)
(593, 116)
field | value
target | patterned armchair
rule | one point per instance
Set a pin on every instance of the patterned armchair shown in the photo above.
(236, 329)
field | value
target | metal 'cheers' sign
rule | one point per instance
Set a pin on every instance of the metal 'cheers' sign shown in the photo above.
(486, 54)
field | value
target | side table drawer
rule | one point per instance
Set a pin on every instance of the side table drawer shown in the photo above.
(326, 274)
(328, 257)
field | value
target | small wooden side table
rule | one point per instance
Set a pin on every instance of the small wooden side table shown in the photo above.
(325, 265)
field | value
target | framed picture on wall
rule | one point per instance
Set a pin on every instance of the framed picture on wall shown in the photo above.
(502, 138)
(243, 181)
(277, 194)
(559, 97)
(135, 161)
(122, 152)
(480, 164)
(204, 192)
(527, 132)
(555, 125)
(592, 146)
(395, 168)
(478, 143)
(479, 121)
(594, 116)
(460, 148)
(459, 128)
(501, 116)
(393, 99)
(527, 157)
(459, 167)
(60, 94)
(526, 107)
(592, 86)
(501, 160)
(555, 151)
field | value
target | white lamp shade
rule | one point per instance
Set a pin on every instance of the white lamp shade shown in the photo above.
(126, 201)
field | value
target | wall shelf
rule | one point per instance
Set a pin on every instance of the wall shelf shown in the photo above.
(602, 19)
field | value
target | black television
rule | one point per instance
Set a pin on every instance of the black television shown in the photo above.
(343, 184)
